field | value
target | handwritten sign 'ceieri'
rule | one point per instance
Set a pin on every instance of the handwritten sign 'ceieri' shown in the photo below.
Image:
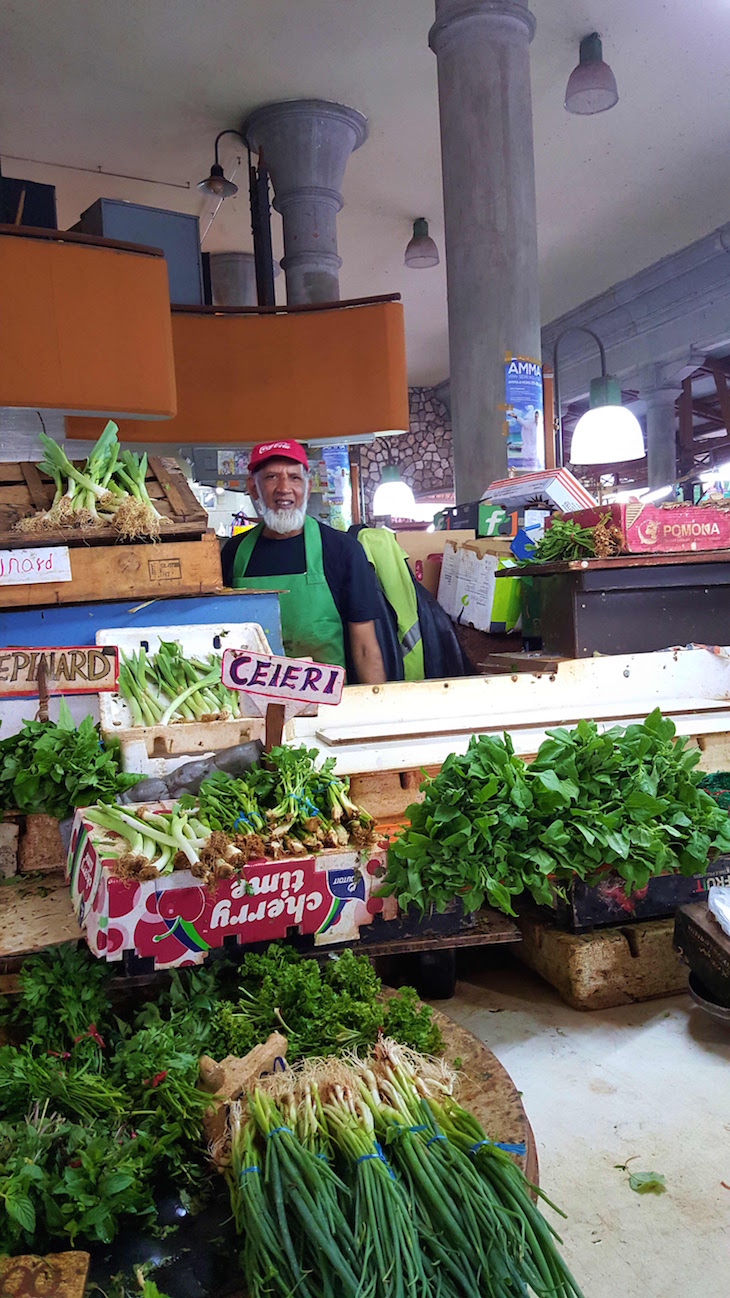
(283, 679)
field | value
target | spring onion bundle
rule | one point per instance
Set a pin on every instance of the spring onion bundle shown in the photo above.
(110, 490)
(368, 1178)
(147, 843)
(291, 805)
(168, 687)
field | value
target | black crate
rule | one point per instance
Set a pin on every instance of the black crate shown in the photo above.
(607, 903)
(412, 924)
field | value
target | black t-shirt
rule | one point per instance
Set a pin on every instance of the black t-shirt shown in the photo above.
(346, 569)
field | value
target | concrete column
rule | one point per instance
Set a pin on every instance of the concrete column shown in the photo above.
(482, 47)
(305, 145)
(661, 440)
(233, 279)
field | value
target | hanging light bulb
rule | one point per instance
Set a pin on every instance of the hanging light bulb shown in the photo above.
(393, 498)
(421, 251)
(216, 182)
(591, 86)
(607, 433)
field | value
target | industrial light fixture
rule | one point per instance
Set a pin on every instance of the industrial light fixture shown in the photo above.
(591, 86)
(421, 251)
(607, 433)
(393, 498)
(216, 182)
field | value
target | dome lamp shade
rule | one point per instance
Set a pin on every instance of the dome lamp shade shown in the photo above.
(591, 86)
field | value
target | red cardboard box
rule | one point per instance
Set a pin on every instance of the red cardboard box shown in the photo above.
(663, 529)
(177, 921)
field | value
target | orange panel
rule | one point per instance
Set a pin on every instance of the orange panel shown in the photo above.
(84, 328)
(246, 378)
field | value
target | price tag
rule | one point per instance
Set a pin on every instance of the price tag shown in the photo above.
(284, 680)
(87, 670)
(21, 567)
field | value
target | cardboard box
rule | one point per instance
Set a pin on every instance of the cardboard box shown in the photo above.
(176, 921)
(557, 487)
(664, 529)
(425, 553)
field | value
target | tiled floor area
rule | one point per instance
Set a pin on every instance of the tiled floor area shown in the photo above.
(650, 1082)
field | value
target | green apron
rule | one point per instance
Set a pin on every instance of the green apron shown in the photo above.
(311, 627)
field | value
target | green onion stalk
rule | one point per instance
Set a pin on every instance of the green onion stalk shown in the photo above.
(319, 1247)
(384, 1228)
(485, 1206)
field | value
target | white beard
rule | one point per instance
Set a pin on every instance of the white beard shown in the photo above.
(282, 521)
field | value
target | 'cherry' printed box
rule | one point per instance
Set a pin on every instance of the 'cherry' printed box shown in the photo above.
(176, 920)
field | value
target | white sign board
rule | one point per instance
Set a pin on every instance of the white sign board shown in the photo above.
(19, 567)
(284, 680)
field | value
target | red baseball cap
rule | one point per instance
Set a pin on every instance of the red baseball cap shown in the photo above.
(277, 451)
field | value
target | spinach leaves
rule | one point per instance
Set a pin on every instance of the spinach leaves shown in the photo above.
(52, 767)
(491, 827)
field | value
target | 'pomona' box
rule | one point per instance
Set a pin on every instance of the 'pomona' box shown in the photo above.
(663, 529)
(176, 920)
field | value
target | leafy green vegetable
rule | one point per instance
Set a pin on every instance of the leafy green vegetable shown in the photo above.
(491, 827)
(52, 767)
(565, 541)
(66, 1180)
(62, 995)
(327, 1009)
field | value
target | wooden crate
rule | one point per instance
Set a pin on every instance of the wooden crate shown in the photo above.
(61, 1274)
(616, 966)
(24, 490)
(148, 570)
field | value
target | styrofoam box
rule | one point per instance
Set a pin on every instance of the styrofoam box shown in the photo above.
(156, 750)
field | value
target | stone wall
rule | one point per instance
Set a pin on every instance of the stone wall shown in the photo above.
(423, 455)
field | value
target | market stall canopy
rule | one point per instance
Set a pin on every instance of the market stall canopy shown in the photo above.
(248, 374)
(85, 325)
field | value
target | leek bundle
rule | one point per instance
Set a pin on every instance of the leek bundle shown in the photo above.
(110, 490)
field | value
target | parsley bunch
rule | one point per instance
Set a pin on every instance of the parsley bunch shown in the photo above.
(321, 1009)
(53, 767)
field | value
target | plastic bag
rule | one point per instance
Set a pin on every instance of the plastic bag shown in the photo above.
(718, 901)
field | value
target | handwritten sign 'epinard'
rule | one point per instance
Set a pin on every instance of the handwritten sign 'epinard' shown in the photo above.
(47, 563)
(65, 671)
(284, 679)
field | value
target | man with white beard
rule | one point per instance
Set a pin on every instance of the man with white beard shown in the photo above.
(328, 596)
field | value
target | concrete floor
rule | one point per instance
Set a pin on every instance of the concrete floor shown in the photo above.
(647, 1082)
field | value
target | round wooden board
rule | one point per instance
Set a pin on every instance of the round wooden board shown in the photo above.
(488, 1091)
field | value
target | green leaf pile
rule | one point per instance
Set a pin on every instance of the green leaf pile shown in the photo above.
(491, 827)
(52, 767)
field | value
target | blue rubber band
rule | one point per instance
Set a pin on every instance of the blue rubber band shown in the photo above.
(245, 1170)
(243, 819)
(497, 1144)
(423, 1127)
(275, 1130)
(281, 1062)
(323, 1157)
(378, 1155)
(438, 1136)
